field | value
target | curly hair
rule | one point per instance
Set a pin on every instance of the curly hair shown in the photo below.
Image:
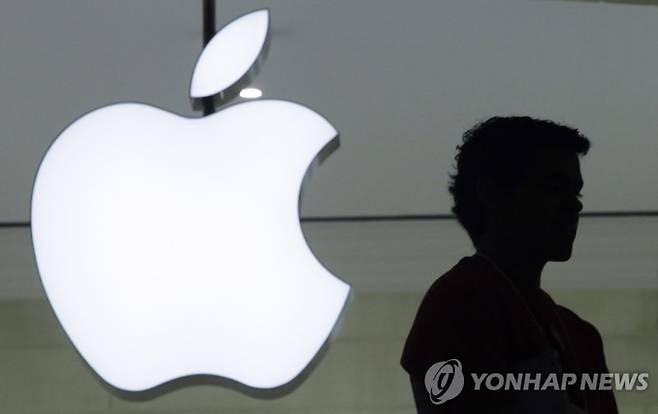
(502, 149)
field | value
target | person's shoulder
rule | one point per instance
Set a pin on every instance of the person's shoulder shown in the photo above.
(444, 308)
(465, 282)
(450, 304)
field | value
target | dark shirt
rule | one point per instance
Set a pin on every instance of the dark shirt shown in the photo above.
(472, 313)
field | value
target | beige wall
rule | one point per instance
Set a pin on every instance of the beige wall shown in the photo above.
(41, 373)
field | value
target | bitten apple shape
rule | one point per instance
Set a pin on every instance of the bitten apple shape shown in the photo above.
(171, 246)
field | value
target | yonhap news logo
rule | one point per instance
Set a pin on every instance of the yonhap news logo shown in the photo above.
(445, 380)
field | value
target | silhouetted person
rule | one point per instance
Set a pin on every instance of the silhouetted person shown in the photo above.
(516, 192)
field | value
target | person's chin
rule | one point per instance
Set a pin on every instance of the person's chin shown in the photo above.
(561, 255)
(562, 258)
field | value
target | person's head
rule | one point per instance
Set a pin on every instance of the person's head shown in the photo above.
(518, 179)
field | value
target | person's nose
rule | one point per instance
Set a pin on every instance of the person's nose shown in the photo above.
(576, 206)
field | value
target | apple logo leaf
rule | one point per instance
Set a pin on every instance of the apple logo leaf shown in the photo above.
(231, 58)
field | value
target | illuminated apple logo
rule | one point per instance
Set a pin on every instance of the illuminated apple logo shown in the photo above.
(171, 246)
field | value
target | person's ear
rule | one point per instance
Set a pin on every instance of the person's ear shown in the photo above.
(489, 193)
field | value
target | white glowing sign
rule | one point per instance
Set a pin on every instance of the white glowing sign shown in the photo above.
(171, 246)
